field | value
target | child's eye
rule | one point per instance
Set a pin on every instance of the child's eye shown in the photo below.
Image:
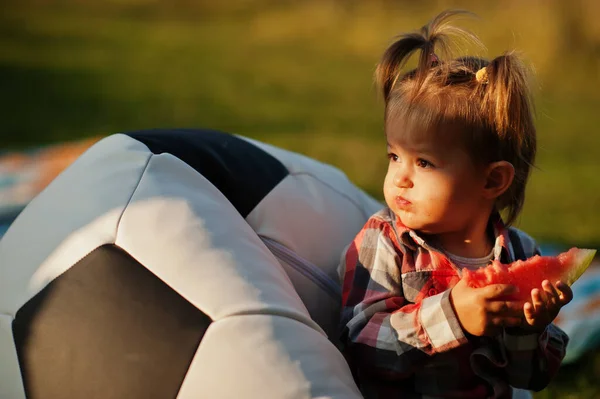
(392, 157)
(423, 163)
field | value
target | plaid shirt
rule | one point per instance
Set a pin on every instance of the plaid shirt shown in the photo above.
(401, 336)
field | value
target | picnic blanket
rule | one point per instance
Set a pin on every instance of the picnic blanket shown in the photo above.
(26, 173)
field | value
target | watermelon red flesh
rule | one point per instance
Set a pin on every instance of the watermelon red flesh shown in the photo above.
(529, 274)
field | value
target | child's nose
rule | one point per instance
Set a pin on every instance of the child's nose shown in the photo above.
(402, 179)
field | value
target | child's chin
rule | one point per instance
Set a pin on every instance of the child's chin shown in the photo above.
(408, 220)
(417, 225)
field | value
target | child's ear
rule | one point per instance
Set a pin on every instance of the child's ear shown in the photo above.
(499, 177)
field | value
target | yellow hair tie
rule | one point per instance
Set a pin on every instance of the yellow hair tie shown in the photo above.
(482, 76)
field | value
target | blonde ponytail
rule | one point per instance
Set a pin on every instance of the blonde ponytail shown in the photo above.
(436, 34)
(507, 107)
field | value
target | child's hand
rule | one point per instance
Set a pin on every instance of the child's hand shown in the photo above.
(481, 311)
(545, 305)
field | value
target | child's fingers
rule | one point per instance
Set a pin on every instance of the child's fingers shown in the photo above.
(529, 312)
(565, 293)
(538, 301)
(551, 292)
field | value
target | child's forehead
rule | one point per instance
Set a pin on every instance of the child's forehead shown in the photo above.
(429, 138)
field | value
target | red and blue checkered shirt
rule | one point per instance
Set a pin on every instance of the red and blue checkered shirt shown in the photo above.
(401, 336)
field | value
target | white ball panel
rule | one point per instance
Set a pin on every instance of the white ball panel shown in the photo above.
(309, 217)
(188, 234)
(260, 356)
(315, 211)
(323, 305)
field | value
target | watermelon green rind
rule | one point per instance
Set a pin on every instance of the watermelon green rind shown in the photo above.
(583, 258)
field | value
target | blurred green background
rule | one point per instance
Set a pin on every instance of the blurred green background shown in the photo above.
(298, 74)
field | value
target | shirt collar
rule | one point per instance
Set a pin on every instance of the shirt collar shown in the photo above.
(502, 247)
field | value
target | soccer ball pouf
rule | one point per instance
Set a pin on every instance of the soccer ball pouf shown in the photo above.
(179, 264)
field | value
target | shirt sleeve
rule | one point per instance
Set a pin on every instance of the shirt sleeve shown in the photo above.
(534, 359)
(381, 331)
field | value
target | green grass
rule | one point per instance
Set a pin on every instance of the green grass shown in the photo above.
(298, 75)
(576, 381)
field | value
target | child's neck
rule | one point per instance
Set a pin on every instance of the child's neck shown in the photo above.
(475, 242)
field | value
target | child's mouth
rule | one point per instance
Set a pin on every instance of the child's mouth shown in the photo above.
(402, 202)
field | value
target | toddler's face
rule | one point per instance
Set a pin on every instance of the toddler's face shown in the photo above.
(432, 184)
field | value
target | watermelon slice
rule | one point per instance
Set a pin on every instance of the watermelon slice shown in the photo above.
(567, 267)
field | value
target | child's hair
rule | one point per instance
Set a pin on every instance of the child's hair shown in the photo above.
(487, 102)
